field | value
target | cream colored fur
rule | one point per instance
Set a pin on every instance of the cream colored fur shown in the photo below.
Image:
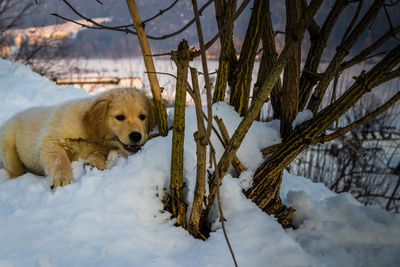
(40, 139)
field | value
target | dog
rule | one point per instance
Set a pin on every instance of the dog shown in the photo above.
(45, 140)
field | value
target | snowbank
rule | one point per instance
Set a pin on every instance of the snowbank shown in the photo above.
(114, 217)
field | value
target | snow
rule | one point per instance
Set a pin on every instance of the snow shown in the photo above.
(115, 218)
(301, 117)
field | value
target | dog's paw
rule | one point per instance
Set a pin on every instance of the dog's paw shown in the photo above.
(96, 163)
(97, 160)
(60, 181)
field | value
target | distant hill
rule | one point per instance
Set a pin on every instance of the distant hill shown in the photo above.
(94, 43)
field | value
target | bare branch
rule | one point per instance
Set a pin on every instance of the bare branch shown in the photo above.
(363, 55)
(201, 148)
(291, 75)
(162, 11)
(313, 29)
(160, 54)
(267, 63)
(177, 203)
(237, 165)
(163, 73)
(341, 51)
(356, 14)
(390, 76)
(225, 27)
(348, 128)
(263, 94)
(99, 26)
(125, 28)
(303, 134)
(227, 59)
(205, 67)
(318, 44)
(184, 27)
(392, 196)
(390, 22)
(356, 124)
(240, 86)
(81, 24)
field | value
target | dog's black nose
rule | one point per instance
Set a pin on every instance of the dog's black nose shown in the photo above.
(135, 136)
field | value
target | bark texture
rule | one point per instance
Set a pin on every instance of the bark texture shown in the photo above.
(177, 205)
(227, 57)
(201, 148)
(290, 91)
(240, 93)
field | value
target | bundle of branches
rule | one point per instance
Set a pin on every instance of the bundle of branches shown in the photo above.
(299, 90)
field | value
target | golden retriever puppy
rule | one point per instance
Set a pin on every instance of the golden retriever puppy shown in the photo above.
(44, 140)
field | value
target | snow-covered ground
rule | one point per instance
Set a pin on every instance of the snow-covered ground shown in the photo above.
(115, 218)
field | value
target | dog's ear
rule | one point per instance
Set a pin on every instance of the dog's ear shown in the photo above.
(151, 122)
(95, 117)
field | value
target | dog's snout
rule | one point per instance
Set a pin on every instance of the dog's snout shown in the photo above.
(135, 136)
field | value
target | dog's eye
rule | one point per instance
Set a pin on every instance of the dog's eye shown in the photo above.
(142, 117)
(120, 117)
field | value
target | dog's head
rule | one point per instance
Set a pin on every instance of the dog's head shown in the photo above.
(126, 114)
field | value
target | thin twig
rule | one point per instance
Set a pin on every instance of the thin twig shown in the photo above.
(160, 54)
(390, 21)
(363, 54)
(125, 28)
(101, 26)
(162, 11)
(222, 218)
(163, 73)
(166, 36)
(93, 141)
(78, 23)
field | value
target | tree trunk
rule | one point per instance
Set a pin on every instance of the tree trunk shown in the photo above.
(268, 61)
(290, 91)
(241, 90)
(201, 148)
(177, 206)
(227, 57)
